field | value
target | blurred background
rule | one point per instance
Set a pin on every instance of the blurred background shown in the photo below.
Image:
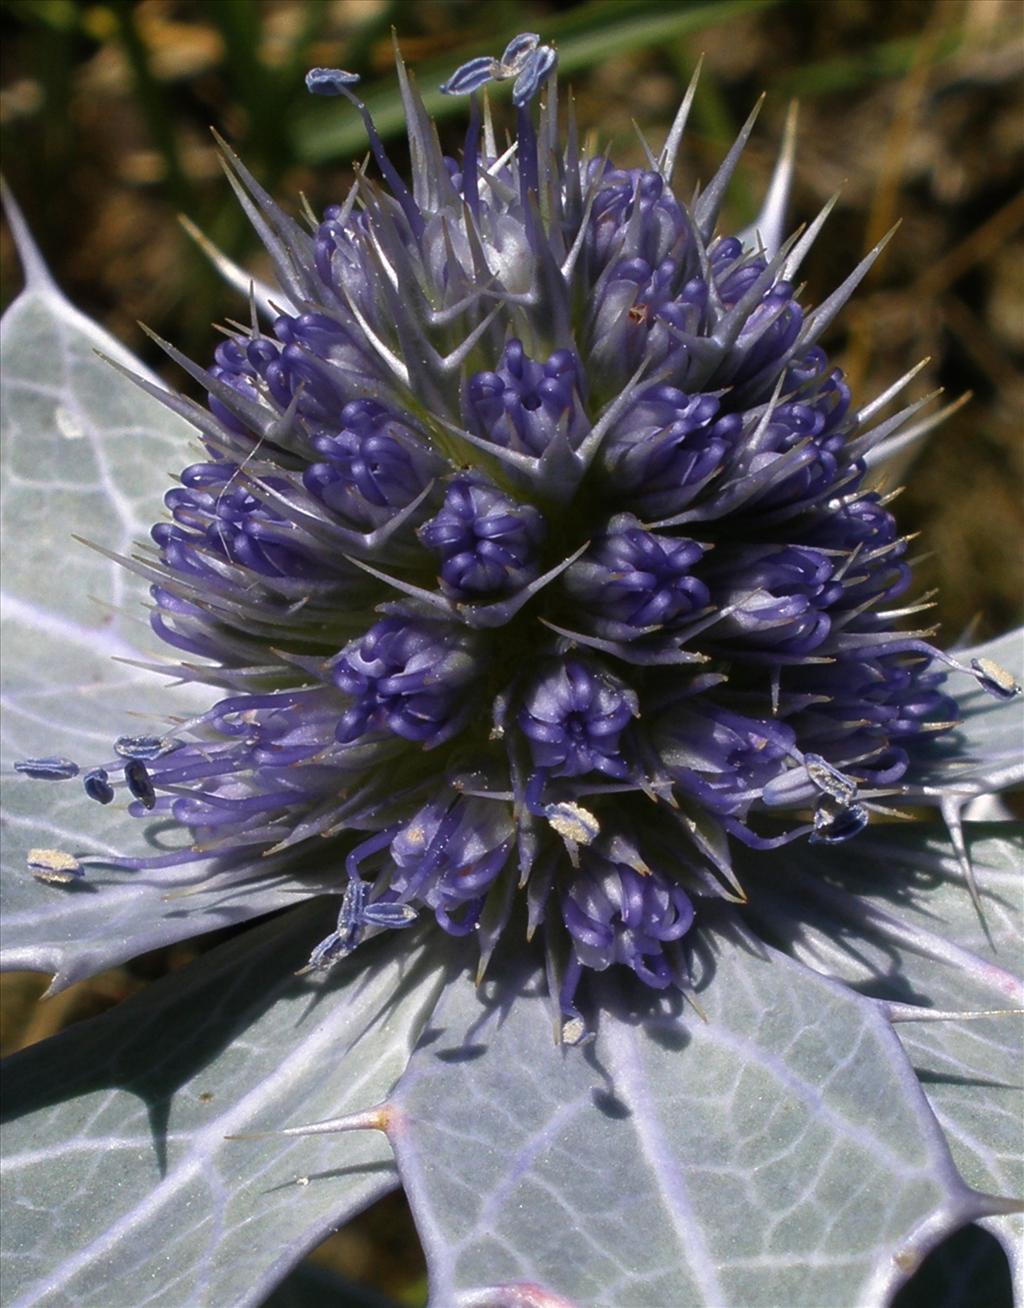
(913, 108)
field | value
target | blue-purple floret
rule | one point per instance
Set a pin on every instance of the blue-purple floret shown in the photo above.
(531, 550)
(723, 758)
(217, 517)
(642, 311)
(488, 544)
(632, 580)
(615, 914)
(372, 461)
(634, 216)
(667, 449)
(448, 858)
(287, 368)
(407, 678)
(776, 598)
(523, 403)
(574, 717)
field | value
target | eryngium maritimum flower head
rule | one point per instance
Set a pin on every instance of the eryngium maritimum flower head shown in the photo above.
(533, 553)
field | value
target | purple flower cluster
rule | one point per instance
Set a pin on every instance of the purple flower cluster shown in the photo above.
(534, 552)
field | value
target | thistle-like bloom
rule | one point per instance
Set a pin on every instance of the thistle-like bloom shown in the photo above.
(532, 553)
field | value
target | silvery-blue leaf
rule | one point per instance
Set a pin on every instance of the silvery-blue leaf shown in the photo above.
(893, 917)
(119, 1179)
(84, 452)
(985, 753)
(779, 1151)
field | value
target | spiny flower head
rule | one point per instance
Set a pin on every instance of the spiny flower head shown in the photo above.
(531, 552)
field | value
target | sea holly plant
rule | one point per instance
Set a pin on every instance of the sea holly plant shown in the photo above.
(538, 657)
